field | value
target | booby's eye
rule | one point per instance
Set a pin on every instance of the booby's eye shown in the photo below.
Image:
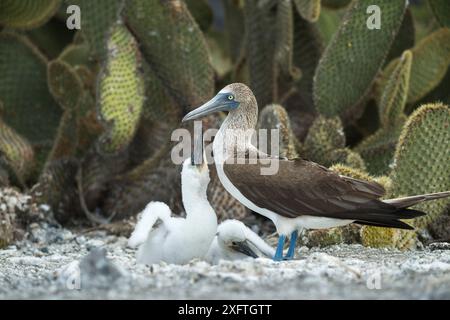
(230, 97)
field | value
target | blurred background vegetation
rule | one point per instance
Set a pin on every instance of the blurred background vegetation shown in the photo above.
(86, 115)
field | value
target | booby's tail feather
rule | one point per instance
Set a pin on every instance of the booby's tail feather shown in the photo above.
(405, 202)
(393, 221)
(153, 211)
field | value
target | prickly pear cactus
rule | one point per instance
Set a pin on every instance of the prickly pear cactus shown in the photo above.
(173, 45)
(325, 144)
(421, 166)
(27, 14)
(64, 83)
(121, 90)
(441, 10)
(28, 107)
(393, 99)
(378, 149)
(431, 58)
(97, 17)
(335, 4)
(284, 36)
(353, 57)
(308, 48)
(16, 152)
(275, 117)
(260, 26)
(405, 38)
(308, 9)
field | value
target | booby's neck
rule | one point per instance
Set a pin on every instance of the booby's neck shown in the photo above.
(195, 201)
(239, 121)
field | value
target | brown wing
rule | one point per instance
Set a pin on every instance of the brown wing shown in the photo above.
(302, 187)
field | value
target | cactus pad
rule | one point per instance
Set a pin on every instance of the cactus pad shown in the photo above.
(260, 29)
(275, 117)
(421, 159)
(97, 17)
(308, 9)
(173, 45)
(121, 90)
(64, 84)
(27, 14)
(324, 136)
(28, 106)
(395, 93)
(284, 39)
(441, 10)
(354, 56)
(16, 151)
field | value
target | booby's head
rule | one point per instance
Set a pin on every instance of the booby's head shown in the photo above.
(232, 235)
(236, 99)
(194, 176)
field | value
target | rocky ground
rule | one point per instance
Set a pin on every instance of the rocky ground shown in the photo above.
(54, 263)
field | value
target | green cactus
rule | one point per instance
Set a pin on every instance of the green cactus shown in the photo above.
(405, 38)
(173, 45)
(64, 83)
(97, 18)
(275, 117)
(335, 4)
(76, 55)
(284, 45)
(308, 9)
(378, 149)
(441, 10)
(347, 157)
(234, 26)
(308, 48)
(16, 152)
(431, 58)
(424, 143)
(353, 57)
(393, 98)
(121, 90)
(260, 26)
(201, 13)
(421, 166)
(28, 106)
(324, 136)
(27, 14)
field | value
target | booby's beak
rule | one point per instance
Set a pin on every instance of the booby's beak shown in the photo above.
(245, 247)
(221, 102)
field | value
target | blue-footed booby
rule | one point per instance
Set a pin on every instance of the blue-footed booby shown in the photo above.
(161, 237)
(235, 241)
(301, 194)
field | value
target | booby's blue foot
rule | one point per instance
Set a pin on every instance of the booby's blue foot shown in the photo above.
(279, 253)
(292, 243)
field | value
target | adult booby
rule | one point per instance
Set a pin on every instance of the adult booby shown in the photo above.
(161, 237)
(235, 241)
(301, 193)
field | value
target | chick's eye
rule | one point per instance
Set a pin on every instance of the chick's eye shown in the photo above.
(230, 97)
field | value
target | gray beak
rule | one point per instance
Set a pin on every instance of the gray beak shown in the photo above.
(245, 247)
(219, 103)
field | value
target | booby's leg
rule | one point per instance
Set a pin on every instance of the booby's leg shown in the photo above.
(279, 253)
(293, 242)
